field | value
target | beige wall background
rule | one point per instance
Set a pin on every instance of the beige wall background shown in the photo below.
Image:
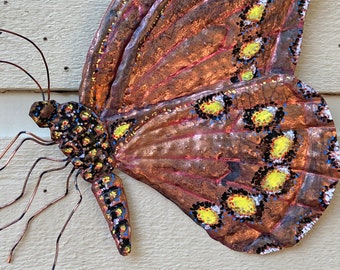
(163, 236)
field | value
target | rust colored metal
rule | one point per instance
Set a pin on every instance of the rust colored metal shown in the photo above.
(202, 105)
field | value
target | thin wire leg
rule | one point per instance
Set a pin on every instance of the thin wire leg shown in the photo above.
(38, 213)
(34, 193)
(23, 189)
(33, 138)
(68, 220)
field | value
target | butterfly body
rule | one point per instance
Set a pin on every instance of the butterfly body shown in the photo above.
(82, 137)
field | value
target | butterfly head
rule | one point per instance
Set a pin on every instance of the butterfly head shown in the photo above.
(43, 112)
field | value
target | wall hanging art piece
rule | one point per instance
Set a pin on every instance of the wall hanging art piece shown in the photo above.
(198, 100)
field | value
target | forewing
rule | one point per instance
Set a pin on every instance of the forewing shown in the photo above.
(255, 167)
(105, 55)
(146, 52)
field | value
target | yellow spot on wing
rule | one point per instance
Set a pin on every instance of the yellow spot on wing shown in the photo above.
(274, 181)
(207, 216)
(280, 147)
(214, 107)
(262, 118)
(247, 75)
(121, 130)
(255, 13)
(242, 205)
(250, 49)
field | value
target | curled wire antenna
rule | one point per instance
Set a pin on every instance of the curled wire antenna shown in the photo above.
(27, 73)
(43, 58)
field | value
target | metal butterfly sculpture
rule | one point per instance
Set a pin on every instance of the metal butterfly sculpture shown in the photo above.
(198, 100)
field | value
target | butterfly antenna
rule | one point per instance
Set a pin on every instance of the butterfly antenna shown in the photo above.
(68, 220)
(10, 256)
(35, 190)
(27, 73)
(42, 56)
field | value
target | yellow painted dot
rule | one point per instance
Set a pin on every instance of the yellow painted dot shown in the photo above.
(127, 249)
(104, 145)
(262, 118)
(113, 194)
(78, 129)
(93, 152)
(56, 135)
(121, 130)
(280, 147)
(98, 166)
(88, 175)
(77, 163)
(99, 129)
(106, 179)
(64, 124)
(207, 215)
(67, 151)
(119, 212)
(255, 13)
(214, 107)
(69, 108)
(85, 115)
(247, 75)
(110, 160)
(250, 49)
(274, 181)
(122, 228)
(86, 141)
(241, 204)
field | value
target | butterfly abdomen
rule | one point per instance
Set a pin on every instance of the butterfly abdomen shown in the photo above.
(82, 137)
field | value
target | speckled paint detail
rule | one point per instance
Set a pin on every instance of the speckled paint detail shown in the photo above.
(213, 106)
(243, 205)
(80, 135)
(262, 117)
(109, 192)
(274, 179)
(207, 214)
